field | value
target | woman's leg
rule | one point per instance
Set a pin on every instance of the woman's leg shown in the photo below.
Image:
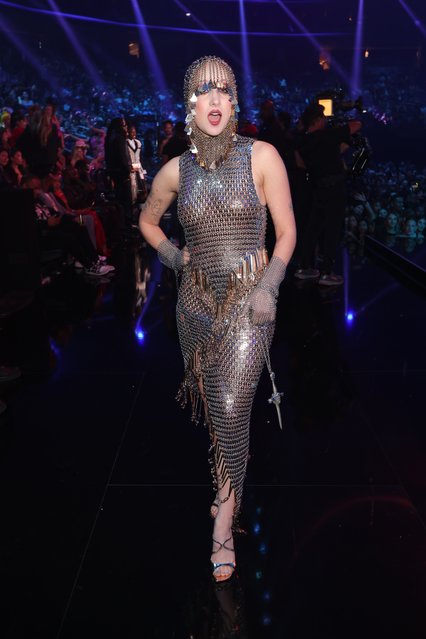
(223, 542)
(229, 382)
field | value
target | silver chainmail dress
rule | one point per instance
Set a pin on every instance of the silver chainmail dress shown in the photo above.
(224, 225)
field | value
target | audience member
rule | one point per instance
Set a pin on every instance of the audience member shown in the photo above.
(64, 231)
(118, 164)
(165, 136)
(137, 173)
(177, 144)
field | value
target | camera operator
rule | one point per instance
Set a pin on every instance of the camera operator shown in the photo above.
(321, 151)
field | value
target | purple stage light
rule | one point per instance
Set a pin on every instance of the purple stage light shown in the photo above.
(87, 64)
(358, 52)
(151, 57)
(413, 16)
(204, 27)
(312, 38)
(151, 27)
(247, 75)
(31, 58)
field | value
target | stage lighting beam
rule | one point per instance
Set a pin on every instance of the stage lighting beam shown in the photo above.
(30, 56)
(204, 27)
(151, 27)
(358, 52)
(86, 62)
(418, 23)
(150, 55)
(312, 39)
(247, 75)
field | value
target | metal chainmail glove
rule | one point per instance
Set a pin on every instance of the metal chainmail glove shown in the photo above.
(170, 255)
(261, 304)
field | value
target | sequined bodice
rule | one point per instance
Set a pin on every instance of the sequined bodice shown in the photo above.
(220, 212)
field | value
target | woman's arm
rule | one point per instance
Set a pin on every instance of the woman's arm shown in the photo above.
(163, 191)
(271, 181)
(270, 178)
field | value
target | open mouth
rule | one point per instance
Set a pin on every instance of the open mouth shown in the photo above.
(214, 117)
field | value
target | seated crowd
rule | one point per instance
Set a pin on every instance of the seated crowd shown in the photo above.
(72, 209)
(85, 200)
(391, 204)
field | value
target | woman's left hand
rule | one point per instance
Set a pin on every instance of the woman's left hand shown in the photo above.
(260, 306)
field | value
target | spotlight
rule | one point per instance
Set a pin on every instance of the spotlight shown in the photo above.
(140, 334)
(188, 15)
(350, 316)
(366, 53)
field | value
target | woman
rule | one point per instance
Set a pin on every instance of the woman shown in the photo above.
(40, 142)
(78, 153)
(227, 296)
(16, 168)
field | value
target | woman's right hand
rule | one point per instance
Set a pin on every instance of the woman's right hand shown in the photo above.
(171, 256)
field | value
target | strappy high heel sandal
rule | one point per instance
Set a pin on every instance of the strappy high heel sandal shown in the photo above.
(216, 565)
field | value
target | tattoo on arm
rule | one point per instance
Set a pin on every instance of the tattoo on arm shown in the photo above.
(152, 208)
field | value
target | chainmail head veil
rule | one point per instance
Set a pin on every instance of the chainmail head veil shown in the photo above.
(201, 76)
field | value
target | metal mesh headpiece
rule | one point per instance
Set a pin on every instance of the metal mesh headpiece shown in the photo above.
(202, 76)
(207, 73)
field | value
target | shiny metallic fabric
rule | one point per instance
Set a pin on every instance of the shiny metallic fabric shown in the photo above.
(223, 352)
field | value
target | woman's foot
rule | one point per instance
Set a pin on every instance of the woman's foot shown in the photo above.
(223, 559)
(223, 553)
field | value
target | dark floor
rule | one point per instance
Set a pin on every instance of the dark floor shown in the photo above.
(105, 484)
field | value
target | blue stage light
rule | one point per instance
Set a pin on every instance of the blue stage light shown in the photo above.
(140, 335)
(350, 316)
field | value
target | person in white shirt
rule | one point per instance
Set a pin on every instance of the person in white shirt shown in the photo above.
(137, 175)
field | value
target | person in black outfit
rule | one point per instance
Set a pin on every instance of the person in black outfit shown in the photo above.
(177, 144)
(118, 164)
(297, 177)
(271, 129)
(321, 151)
